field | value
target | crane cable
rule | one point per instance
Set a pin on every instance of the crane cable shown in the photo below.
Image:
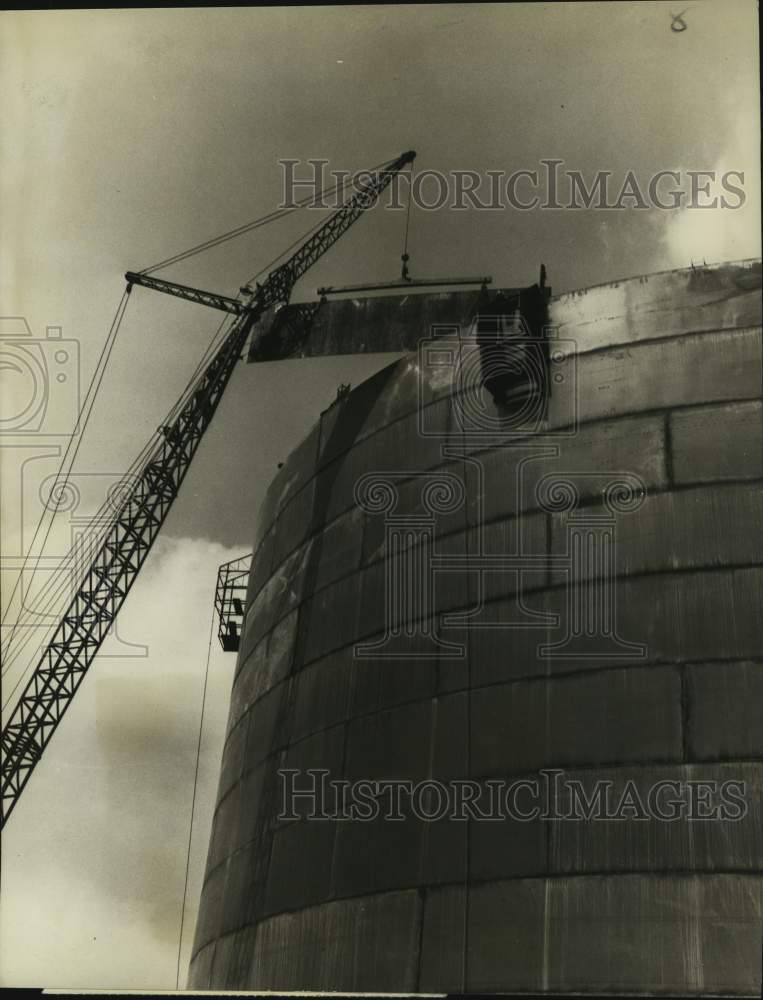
(405, 257)
(98, 526)
(379, 167)
(263, 220)
(193, 798)
(51, 592)
(70, 455)
(62, 482)
(61, 477)
(59, 581)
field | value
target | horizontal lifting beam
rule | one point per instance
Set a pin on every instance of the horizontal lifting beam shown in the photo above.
(401, 285)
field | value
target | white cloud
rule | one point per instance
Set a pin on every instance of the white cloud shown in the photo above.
(94, 855)
(718, 234)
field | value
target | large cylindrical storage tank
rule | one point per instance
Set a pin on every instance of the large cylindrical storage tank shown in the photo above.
(443, 592)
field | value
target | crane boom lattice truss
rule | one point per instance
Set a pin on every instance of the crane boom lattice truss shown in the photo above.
(108, 580)
(129, 537)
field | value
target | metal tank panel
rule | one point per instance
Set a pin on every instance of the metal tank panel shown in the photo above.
(663, 384)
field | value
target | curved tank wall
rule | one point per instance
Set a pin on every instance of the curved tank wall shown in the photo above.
(637, 666)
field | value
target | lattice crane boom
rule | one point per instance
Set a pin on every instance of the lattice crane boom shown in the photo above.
(110, 576)
(136, 524)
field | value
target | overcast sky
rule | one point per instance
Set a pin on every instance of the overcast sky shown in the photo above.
(128, 135)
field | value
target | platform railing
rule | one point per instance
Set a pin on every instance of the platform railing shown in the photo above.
(230, 601)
